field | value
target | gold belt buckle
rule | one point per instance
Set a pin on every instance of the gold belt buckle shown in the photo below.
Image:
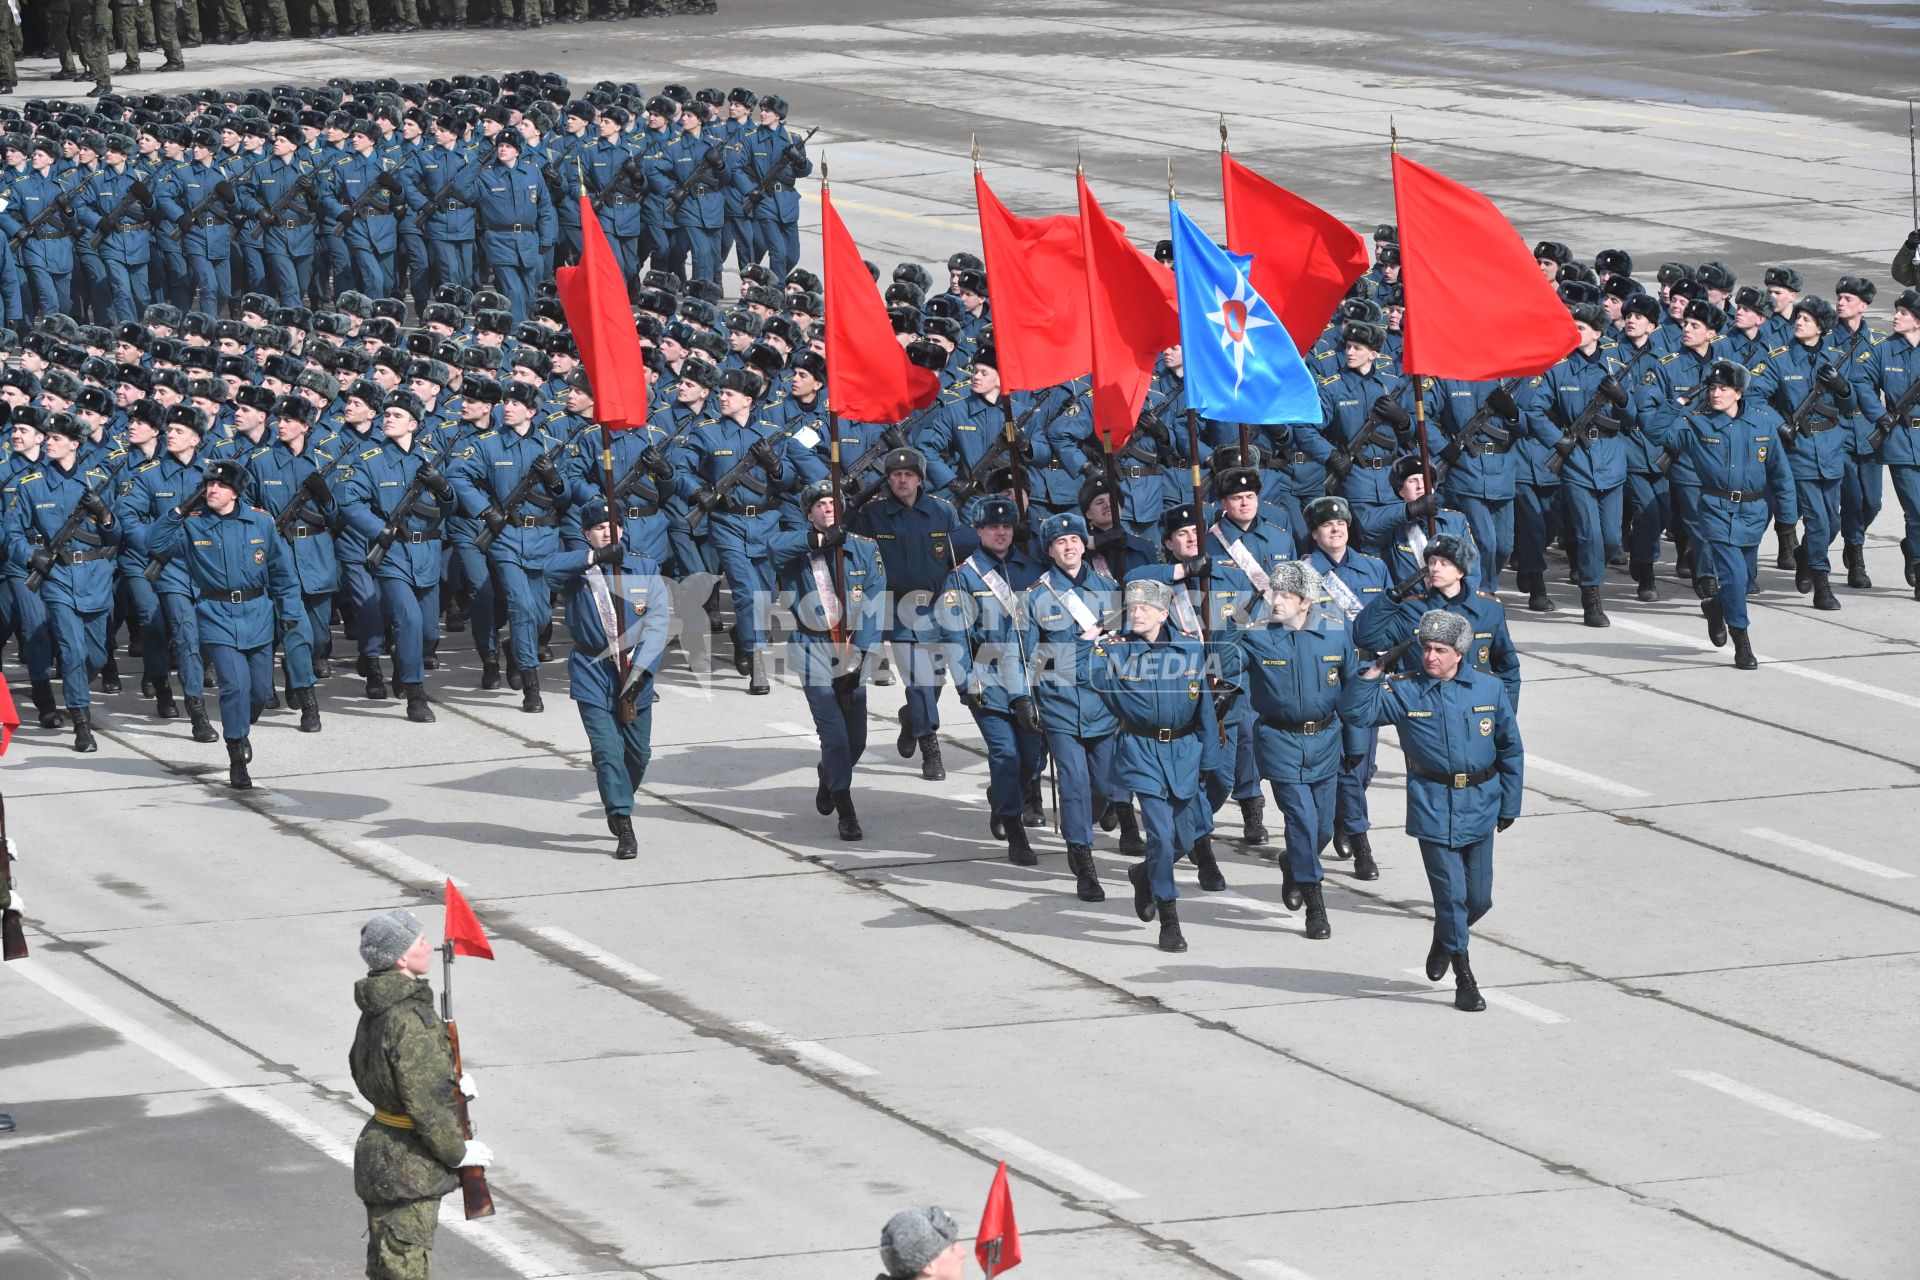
(1459, 781)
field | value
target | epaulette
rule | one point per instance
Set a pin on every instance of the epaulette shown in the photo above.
(149, 464)
(1486, 595)
(1670, 357)
(375, 452)
(1329, 379)
(1776, 351)
(31, 475)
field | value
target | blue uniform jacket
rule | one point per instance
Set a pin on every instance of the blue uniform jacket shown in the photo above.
(921, 544)
(865, 579)
(1455, 729)
(430, 171)
(1154, 686)
(1598, 462)
(1293, 679)
(1737, 464)
(1058, 654)
(486, 478)
(515, 215)
(158, 487)
(370, 496)
(984, 642)
(211, 234)
(278, 474)
(292, 232)
(1384, 624)
(40, 502)
(645, 612)
(130, 242)
(237, 554)
(760, 152)
(373, 228)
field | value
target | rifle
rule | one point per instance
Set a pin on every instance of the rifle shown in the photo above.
(1813, 409)
(1499, 403)
(383, 542)
(521, 489)
(69, 527)
(772, 175)
(111, 223)
(473, 1178)
(892, 438)
(13, 939)
(222, 190)
(1403, 590)
(1380, 414)
(271, 214)
(685, 189)
(621, 181)
(718, 490)
(59, 204)
(438, 204)
(1593, 417)
(387, 181)
(1891, 419)
(297, 507)
(977, 474)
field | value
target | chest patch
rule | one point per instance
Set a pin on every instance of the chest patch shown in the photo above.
(1486, 726)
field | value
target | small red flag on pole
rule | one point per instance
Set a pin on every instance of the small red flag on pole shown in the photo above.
(9, 716)
(463, 930)
(998, 1244)
(594, 297)
(1131, 317)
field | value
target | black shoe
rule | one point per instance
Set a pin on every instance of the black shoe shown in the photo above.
(544, 652)
(1109, 816)
(1802, 570)
(906, 742)
(83, 730)
(822, 798)
(1317, 927)
(1143, 903)
(308, 700)
(430, 656)
(1466, 992)
(1716, 622)
(1788, 541)
(1742, 651)
(1591, 612)
(1342, 847)
(110, 677)
(1086, 879)
(1201, 855)
(530, 690)
(1647, 592)
(624, 845)
(489, 675)
(6, 1123)
(1131, 842)
(1855, 558)
(51, 716)
(203, 730)
(1290, 890)
(239, 754)
(932, 768)
(1364, 867)
(1033, 815)
(173, 64)
(1436, 960)
(1252, 829)
(323, 668)
(1823, 597)
(849, 822)
(993, 825)
(376, 679)
(273, 701)
(742, 656)
(757, 683)
(417, 709)
(1019, 852)
(1171, 938)
(1535, 585)
(163, 703)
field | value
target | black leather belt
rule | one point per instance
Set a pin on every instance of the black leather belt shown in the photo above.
(1300, 726)
(91, 553)
(1162, 735)
(51, 235)
(640, 513)
(1137, 471)
(1485, 447)
(1736, 495)
(1822, 424)
(416, 537)
(1373, 464)
(613, 201)
(508, 228)
(545, 519)
(1281, 461)
(1457, 781)
(294, 222)
(209, 221)
(301, 530)
(234, 597)
(733, 508)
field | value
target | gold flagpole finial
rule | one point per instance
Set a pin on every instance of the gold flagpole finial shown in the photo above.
(1223, 133)
(823, 171)
(1170, 178)
(1079, 170)
(973, 147)
(1393, 137)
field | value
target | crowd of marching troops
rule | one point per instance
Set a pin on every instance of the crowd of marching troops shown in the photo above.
(359, 452)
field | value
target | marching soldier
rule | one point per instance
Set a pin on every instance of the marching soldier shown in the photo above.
(1810, 371)
(113, 211)
(278, 195)
(286, 473)
(517, 227)
(412, 1149)
(200, 203)
(362, 192)
(771, 152)
(1897, 372)
(1352, 581)
(1464, 775)
(1392, 617)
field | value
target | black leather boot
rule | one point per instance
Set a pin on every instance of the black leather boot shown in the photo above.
(1466, 991)
(489, 673)
(1132, 843)
(1716, 622)
(51, 716)
(1647, 592)
(309, 702)
(1086, 879)
(530, 690)
(376, 678)
(1033, 815)
(1591, 612)
(83, 730)
(110, 676)
(932, 768)
(849, 821)
(163, 703)
(757, 667)
(239, 755)
(1253, 828)
(906, 742)
(1317, 926)
(1802, 570)
(624, 845)
(1855, 558)
(1143, 903)
(430, 655)
(1742, 651)
(1823, 598)
(1171, 938)
(1364, 867)
(417, 709)
(203, 730)
(1019, 852)
(1437, 959)
(822, 798)
(1290, 889)
(1201, 855)
(1535, 585)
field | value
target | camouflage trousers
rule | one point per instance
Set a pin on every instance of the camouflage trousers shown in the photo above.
(400, 1239)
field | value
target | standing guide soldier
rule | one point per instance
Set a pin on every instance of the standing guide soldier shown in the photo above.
(412, 1149)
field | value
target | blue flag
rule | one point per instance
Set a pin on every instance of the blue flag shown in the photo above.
(1240, 364)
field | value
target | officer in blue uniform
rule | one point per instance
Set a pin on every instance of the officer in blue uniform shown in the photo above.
(1155, 682)
(695, 166)
(839, 589)
(1365, 420)
(29, 614)
(1475, 472)
(76, 575)
(200, 203)
(1464, 775)
(643, 478)
(126, 243)
(921, 540)
(284, 180)
(1863, 483)
(775, 218)
(1351, 580)
(612, 173)
(1732, 446)
(611, 589)
(1818, 453)
(445, 178)
(984, 645)
(47, 256)
(289, 472)
(244, 586)
(1294, 668)
(1399, 532)
(517, 226)
(364, 182)
(1393, 616)
(1896, 368)
(1069, 607)
(1648, 498)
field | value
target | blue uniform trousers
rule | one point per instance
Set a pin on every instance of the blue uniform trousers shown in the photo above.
(1862, 491)
(208, 279)
(620, 753)
(843, 734)
(1535, 521)
(1083, 765)
(369, 271)
(36, 635)
(361, 606)
(82, 639)
(1906, 487)
(528, 610)
(1462, 883)
(916, 666)
(469, 565)
(1736, 568)
(415, 614)
(1648, 509)
(1595, 519)
(1350, 804)
(1491, 520)
(49, 291)
(703, 245)
(452, 261)
(748, 572)
(1820, 516)
(1231, 771)
(246, 681)
(1309, 810)
(289, 275)
(299, 647)
(1014, 758)
(1171, 825)
(127, 294)
(183, 628)
(780, 242)
(521, 285)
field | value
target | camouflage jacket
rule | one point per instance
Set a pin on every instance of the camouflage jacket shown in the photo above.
(402, 1066)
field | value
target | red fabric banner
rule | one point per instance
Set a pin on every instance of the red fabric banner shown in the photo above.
(869, 378)
(1132, 317)
(594, 297)
(1304, 258)
(1037, 280)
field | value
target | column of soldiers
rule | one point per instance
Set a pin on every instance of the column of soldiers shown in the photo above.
(292, 423)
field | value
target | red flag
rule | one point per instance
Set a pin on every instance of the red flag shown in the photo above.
(1304, 258)
(1457, 250)
(998, 1244)
(463, 927)
(1036, 275)
(869, 377)
(9, 716)
(594, 297)
(1132, 317)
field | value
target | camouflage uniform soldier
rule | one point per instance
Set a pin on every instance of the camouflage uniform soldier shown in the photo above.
(410, 1153)
(93, 21)
(9, 31)
(60, 35)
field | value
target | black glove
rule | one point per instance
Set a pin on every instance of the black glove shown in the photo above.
(1913, 239)
(656, 463)
(548, 475)
(389, 181)
(315, 487)
(435, 483)
(631, 167)
(1835, 382)
(1423, 506)
(1503, 404)
(1388, 410)
(1352, 762)
(1151, 427)
(1338, 465)
(96, 506)
(224, 190)
(826, 539)
(195, 500)
(1199, 568)
(288, 625)
(40, 562)
(1612, 391)
(1881, 430)
(140, 192)
(609, 554)
(494, 519)
(974, 700)
(770, 465)
(1026, 715)
(1504, 823)
(1111, 542)
(705, 499)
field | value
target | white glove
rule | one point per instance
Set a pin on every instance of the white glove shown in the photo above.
(477, 1153)
(466, 1087)
(13, 903)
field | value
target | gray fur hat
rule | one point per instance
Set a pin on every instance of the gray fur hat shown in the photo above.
(1148, 591)
(913, 1238)
(386, 937)
(1439, 626)
(1296, 577)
